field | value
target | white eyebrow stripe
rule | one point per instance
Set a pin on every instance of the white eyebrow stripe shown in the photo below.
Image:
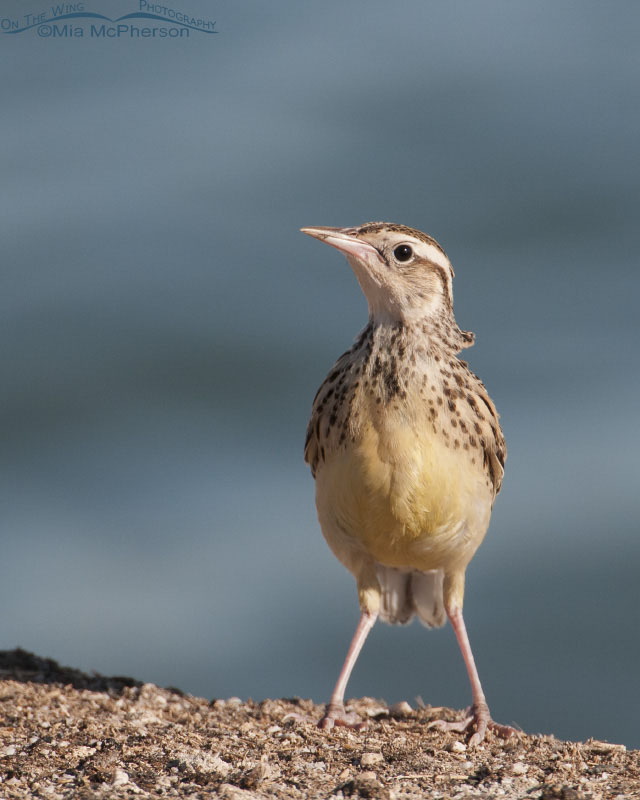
(435, 255)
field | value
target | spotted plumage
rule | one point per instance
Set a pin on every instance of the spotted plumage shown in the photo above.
(405, 445)
(384, 365)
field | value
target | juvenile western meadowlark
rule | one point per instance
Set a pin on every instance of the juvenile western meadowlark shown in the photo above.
(406, 449)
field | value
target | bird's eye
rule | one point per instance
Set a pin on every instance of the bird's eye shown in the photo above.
(403, 252)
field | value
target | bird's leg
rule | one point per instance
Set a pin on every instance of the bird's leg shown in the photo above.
(479, 716)
(335, 713)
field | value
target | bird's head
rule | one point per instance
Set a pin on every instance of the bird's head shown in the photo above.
(404, 274)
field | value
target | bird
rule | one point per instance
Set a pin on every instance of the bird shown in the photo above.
(406, 449)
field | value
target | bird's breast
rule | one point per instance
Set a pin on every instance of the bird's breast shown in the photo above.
(399, 491)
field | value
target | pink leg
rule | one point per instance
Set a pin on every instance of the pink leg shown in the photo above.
(335, 713)
(479, 715)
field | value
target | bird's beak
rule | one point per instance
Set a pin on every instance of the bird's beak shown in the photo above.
(345, 240)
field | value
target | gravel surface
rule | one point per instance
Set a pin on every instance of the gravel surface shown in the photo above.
(65, 734)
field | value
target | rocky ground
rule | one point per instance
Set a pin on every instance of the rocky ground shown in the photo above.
(64, 734)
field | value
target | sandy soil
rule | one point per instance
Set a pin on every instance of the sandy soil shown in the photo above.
(64, 734)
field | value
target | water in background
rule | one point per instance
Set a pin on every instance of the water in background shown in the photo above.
(165, 327)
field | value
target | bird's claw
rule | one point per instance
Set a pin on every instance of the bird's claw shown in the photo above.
(336, 716)
(478, 718)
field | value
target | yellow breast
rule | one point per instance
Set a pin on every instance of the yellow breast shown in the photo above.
(402, 495)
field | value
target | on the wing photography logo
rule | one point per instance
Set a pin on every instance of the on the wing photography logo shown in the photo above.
(151, 20)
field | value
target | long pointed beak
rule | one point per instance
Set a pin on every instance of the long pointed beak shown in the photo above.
(344, 240)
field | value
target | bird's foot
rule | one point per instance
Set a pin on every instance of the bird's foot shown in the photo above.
(477, 717)
(336, 715)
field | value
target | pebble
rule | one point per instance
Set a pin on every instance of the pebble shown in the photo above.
(234, 702)
(519, 768)
(120, 778)
(218, 765)
(369, 759)
(457, 747)
(401, 709)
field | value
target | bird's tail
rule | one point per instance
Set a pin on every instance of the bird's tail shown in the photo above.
(405, 593)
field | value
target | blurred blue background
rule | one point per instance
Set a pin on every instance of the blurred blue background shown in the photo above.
(165, 327)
